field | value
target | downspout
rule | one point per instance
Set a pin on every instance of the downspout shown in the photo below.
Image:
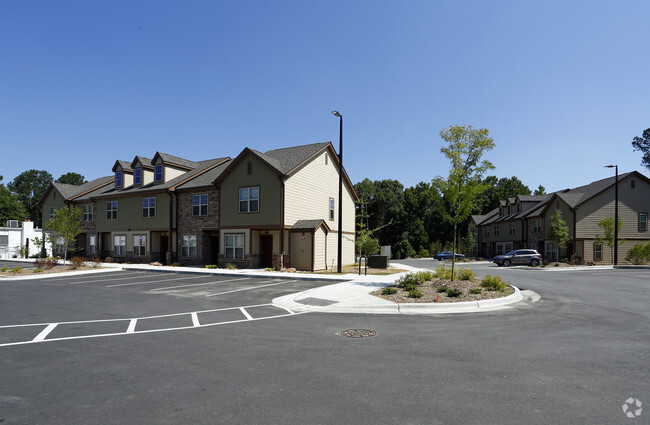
(175, 252)
(169, 238)
(574, 235)
(282, 226)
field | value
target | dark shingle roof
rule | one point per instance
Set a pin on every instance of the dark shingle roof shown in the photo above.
(171, 159)
(146, 162)
(66, 190)
(287, 159)
(126, 165)
(309, 224)
(205, 178)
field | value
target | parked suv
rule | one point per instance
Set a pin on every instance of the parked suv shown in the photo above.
(519, 256)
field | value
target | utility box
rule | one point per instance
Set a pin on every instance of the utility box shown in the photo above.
(385, 250)
(378, 262)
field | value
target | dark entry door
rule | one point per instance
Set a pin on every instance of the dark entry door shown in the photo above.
(266, 250)
(164, 247)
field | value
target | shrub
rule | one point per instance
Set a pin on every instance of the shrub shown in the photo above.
(109, 260)
(454, 292)
(444, 273)
(4, 269)
(638, 254)
(17, 270)
(493, 283)
(410, 286)
(230, 266)
(270, 269)
(466, 274)
(96, 261)
(423, 252)
(415, 293)
(176, 264)
(425, 275)
(475, 291)
(45, 263)
(211, 266)
(77, 262)
(389, 290)
(37, 270)
(408, 279)
(443, 288)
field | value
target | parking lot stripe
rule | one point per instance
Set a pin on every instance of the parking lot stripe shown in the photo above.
(201, 284)
(195, 320)
(104, 280)
(248, 316)
(252, 287)
(153, 281)
(45, 332)
(131, 327)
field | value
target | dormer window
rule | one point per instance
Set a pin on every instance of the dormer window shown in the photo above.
(137, 176)
(158, 174)
(118, 179)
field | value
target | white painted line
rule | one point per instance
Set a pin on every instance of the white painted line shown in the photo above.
(154, 281)
(284, 308)
(45, 332)
(252, 287)
(131, 327)
(150, 330)
(103, 280)
(201, 284)
(245, 313)
(195, 320)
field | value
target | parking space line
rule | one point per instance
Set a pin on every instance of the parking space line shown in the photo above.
(45, 332)
(195, 320)
(131, 327)
(245, 313)
(252, 287)
(105, 280)
(202, 284)
(153, 281)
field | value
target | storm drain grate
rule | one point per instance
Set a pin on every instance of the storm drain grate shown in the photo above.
(359, 333)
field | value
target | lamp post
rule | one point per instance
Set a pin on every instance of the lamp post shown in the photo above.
(340, 230)
(615, 214)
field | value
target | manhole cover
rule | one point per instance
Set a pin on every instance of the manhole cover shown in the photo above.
(359, 333)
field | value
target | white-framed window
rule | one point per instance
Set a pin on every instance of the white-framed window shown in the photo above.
(118, 179)
(59, 245)
(137, 176)
(4, 240)
(537, 225)
(111, 210)
(139, 245)
(496, 230)
(200, 204)
(158, 173)
(119, 245)
(486, 231)
(500, 249)
(249, 199)
(598, 251)
(88, 212)
(93, 245)
(148, 207)
(235, 246)
(643, 222)
(53, 211)
(188, 246)
(331, 207)
(513, 228)
(550, 250)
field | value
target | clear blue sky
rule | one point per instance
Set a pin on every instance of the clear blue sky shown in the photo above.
(563, 86)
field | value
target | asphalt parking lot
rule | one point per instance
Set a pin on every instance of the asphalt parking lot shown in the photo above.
(575, 356)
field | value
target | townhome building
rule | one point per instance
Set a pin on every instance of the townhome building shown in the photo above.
(218, 211)
(524, 221)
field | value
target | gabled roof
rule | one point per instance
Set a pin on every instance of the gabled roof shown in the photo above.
(310, 225)
(72, 192)
(146, 162)
(175, 161)
(126, 165)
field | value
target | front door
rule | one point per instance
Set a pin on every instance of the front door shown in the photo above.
(266, 250)
(164, 247)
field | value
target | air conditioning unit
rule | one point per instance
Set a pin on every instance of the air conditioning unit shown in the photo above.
(13, 224)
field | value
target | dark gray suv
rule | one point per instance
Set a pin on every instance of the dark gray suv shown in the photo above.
(519, 256)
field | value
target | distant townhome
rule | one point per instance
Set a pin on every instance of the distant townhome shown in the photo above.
(18, 239)
(273, 209)
(524, 221)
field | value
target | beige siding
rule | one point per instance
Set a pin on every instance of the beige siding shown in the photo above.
(320, 245)
(567, 216)
(147, 176)
(301, 250)
(308, 192)
(173, 172)
(332, 249)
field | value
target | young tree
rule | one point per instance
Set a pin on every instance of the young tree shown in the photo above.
(607, 224)
(366, 243)
(30, 187)
(541, 190)
(464, 184)
(63, 228)
(558, 232)
(72, 178)
(643, 144)
(10, 207)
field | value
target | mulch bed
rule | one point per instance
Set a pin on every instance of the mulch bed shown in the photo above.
(56, 269)
(430, 292)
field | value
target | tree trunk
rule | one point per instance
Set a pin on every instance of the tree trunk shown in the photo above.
(453, 254)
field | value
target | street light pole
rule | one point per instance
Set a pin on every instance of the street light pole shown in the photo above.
(340, 229)
(615, 214)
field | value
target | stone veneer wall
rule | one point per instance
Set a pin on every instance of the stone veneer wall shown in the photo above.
(200, 226)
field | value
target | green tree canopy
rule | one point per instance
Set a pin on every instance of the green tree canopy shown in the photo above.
(558, 232)
(541, 190)
(72, 178)
(643, 144)
(10, 207)
(609, 233)
(497, 190)
(64, 227)
(30, 186)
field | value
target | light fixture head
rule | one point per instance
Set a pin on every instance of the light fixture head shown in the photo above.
(336, 113)
(610, 166)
